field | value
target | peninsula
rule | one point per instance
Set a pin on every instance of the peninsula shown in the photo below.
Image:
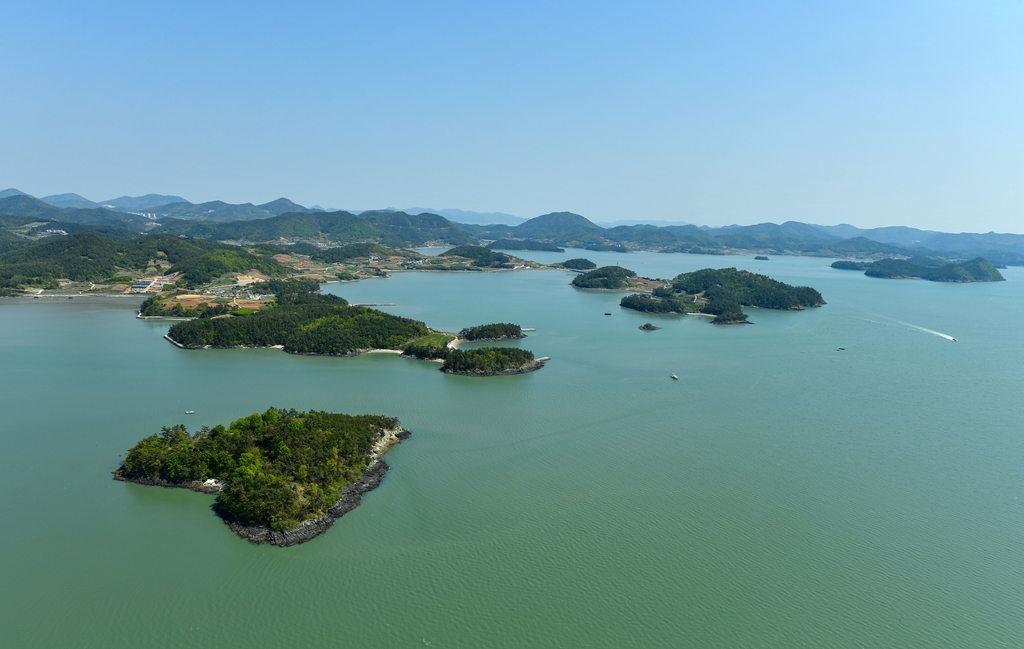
(282, 477)
(300, 320)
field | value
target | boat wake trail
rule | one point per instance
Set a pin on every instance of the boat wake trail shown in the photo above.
(918, 328)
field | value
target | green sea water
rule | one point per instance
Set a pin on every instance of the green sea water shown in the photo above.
(781, 493)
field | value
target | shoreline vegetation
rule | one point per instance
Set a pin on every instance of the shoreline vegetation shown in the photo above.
(282, 477)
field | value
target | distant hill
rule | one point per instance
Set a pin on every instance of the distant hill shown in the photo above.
(560, 227)
(222, 212)
(934, 270)
(141, 203)
(417, 226)
(69, 200)
(284, 206)
(394, 229)
(218, 211)
(27, 206)
(474, 218)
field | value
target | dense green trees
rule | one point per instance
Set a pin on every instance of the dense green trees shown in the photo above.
(747, 289)
(578, 263)
(724, 293)
(498, 331)
(851, 265)
(487, 360)
(280, 468)
(480, 256)
(607, 277)
(303, 322)
(352, 251)
(523, 244)
(649, 304)
(935, 270)
(155, 306)
(86, 256)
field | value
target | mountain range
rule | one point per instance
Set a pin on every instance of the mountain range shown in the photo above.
(285, 221)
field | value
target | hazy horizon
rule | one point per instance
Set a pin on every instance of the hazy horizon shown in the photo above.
(874, 114)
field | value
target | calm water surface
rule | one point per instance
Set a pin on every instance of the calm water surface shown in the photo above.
(780, 494)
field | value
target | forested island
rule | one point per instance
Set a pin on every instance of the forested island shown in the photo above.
(606, 277)
(491, 361)
(282, 477)
(492, 332)
(579, 263)
(479, 257)
(722, 293)
(929, 268)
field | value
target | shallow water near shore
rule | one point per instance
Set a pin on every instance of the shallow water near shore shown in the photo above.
(780, 494)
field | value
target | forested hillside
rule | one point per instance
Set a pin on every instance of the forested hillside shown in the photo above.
(86, 256)
(303, 322)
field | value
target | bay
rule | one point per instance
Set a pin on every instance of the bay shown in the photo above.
(780, 494)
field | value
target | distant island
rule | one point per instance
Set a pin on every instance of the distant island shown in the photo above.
(647, 326)
(578, 263)
(282, 477)
(761, 258)
(931, 269)
(606, 277)
(722, 293)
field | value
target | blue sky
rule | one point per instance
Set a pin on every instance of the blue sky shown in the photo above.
(870, 113)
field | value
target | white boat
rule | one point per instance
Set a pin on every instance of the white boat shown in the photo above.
(674, 377)
(190, 412)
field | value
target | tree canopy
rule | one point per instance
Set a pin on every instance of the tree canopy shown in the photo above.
(607, 277)
(281, 467)
(302, 322)
(498, 331)
(480, 256)
(487, 360)
(87, 256)
(579, 263)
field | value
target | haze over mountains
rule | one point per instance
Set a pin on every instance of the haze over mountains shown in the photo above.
(285, 221)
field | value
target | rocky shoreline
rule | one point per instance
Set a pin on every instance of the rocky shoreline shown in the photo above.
(207, 487)
(309, 530)
(350, 498)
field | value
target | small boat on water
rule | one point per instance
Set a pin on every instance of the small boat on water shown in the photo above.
(190, 412)
(607, 314)
(674, 377)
